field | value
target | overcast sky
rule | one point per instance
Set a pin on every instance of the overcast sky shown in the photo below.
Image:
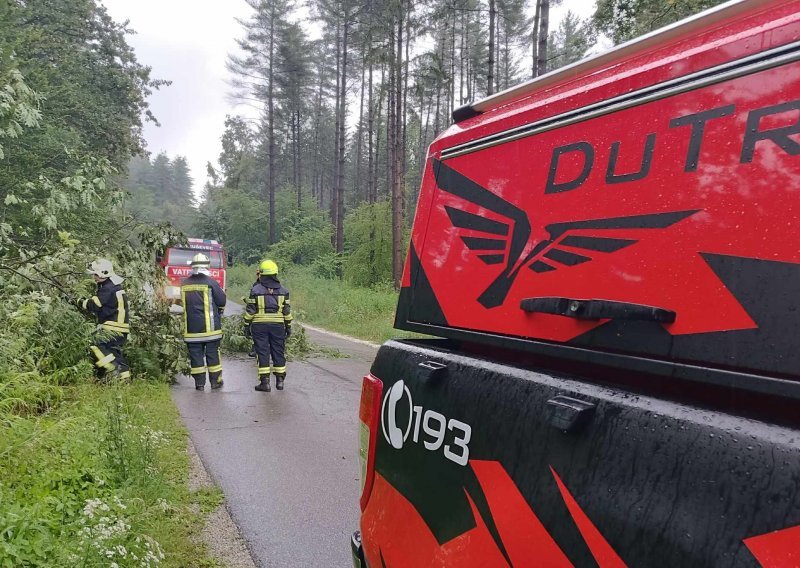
(187, 42)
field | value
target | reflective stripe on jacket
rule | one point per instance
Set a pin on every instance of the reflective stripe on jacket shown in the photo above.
(203, 303)
(268, 303)
(110, 305)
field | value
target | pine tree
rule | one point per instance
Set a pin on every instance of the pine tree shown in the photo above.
(570, 42)
(622, 20)
(255, 73)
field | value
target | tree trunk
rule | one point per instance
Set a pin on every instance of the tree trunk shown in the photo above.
(378, 137)
(404, 106)
(497, 41)
(462, 51)
(358, 186)
(535, 40)
(334, 207)
(371, 197)
(391, 135)
(271, 129)
(490, 76)
(439, 82)
(544, 25)
(342, 128)
(507, 64)
(470, 90)
(396, 127)
(451, 79)
(317, 127)
(298, 171)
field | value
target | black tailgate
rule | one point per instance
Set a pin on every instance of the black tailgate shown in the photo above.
(636, 480)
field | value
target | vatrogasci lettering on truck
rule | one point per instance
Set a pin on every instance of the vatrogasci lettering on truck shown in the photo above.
(610, 260)
(177, 260)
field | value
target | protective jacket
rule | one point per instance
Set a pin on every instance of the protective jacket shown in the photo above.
(203, 304)
(110, 306)
(268, 303)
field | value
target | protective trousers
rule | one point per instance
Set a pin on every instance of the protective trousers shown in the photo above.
(204, 356)
(108, 357)
(270, 340)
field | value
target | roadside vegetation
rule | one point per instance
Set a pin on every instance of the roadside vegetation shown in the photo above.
(91, 475)
(298, 346)
(98, 480)
(351, 292)
(337, 305)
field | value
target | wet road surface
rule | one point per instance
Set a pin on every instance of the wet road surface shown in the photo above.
(286, 460)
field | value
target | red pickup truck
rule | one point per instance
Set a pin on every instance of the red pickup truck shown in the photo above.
(609, 255)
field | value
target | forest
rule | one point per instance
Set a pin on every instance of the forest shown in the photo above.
(334, 156)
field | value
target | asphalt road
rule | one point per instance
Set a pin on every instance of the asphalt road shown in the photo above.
(286, 460)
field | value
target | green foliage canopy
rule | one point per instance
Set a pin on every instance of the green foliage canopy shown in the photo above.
(623, 20)
(160, 191)
(237, 219)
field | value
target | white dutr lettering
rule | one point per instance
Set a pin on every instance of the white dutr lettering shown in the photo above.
(432, 428)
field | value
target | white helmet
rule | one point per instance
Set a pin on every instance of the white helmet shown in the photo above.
(103, 268)
(200, 262)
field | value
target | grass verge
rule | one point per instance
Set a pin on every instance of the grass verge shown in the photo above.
(366, 313)
(101, 480)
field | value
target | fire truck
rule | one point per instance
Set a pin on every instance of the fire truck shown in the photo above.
(608, 256)
(176, 263)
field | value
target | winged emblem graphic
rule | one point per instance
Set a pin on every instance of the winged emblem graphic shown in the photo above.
(508, 243)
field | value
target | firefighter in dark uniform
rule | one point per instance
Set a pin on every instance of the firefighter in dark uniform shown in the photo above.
(110, 306)
(268, 316)
(203, 304)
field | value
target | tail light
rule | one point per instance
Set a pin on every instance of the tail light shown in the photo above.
(369, 416)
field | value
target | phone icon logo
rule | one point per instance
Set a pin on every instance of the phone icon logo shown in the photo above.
(394, 433)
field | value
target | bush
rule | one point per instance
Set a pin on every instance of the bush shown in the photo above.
(298, 346)
(236, 218)
(233, 339)
(369, 245)
(328, 267)
(365, 312)
(304, 234)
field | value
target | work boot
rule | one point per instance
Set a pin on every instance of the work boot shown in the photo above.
(199, 387)
(279, 381)
(216, 383)
(263, 385)
(252, 352)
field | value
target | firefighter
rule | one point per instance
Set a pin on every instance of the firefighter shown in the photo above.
(269, 318)
(110, 306)
(203, 304)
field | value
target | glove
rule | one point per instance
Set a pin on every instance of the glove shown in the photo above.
(288, 330)
(78, 302)
(247, 333)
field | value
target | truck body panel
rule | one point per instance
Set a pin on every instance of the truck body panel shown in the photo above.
(676, 194)
(610, 256)
(639, 481)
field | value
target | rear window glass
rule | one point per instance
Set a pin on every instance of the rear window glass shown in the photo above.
(183, 257)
